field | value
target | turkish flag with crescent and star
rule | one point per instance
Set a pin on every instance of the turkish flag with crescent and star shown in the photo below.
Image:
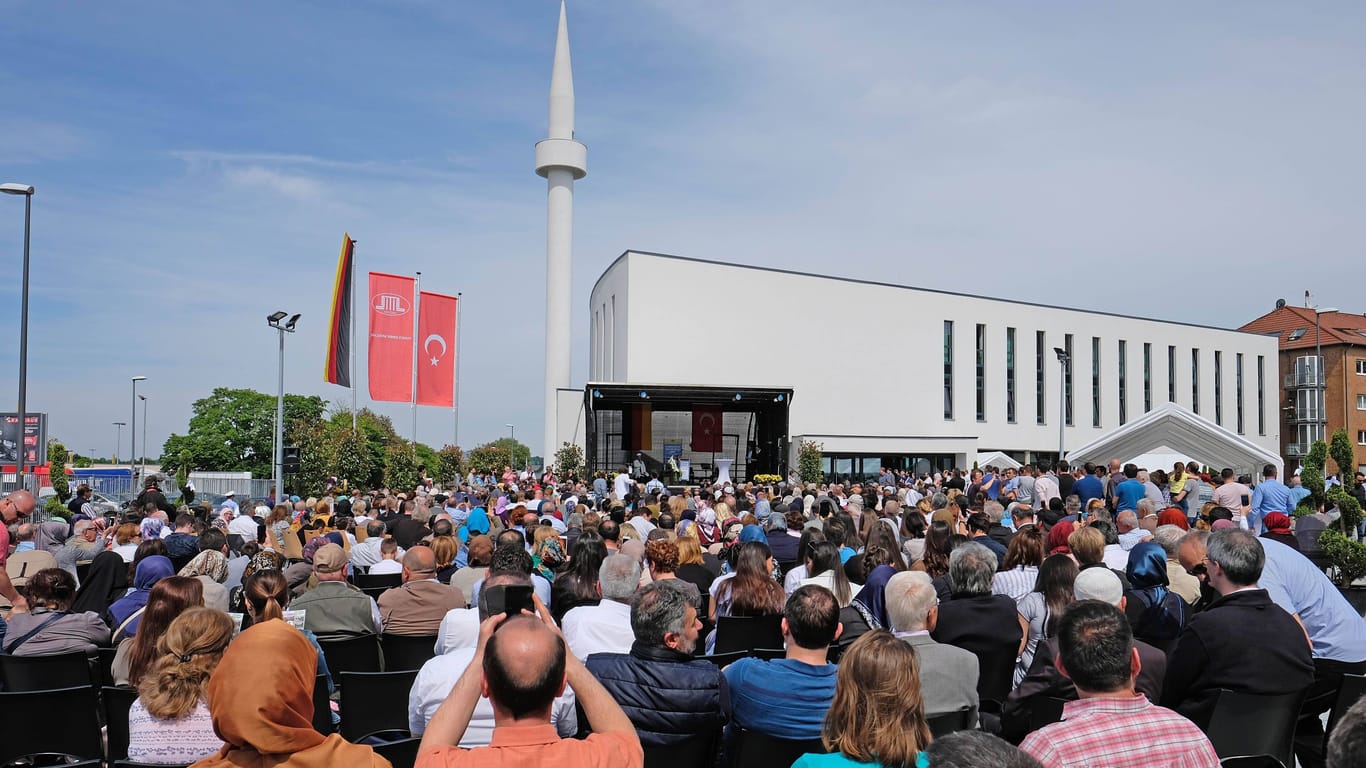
(391, 337)
(706, 428)
(436, 350)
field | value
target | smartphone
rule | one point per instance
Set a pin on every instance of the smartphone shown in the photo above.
(510, 599)
(1247, 500)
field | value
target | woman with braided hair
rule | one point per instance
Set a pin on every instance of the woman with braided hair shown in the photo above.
(170, 722)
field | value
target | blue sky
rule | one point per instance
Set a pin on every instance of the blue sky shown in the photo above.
(197, 163)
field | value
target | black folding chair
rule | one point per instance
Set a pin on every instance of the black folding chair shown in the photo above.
(63, 721)
(1350, 691)
(752, 749)
(722, 659)
(374, 701)
(745, 633)
(401, 753)
(1045, 711)
(322, 707)
(768, 654)
(402, 652)
(116, 702)
(696, 752)
(43, 673)
(836, 650)
(105, 665)
(944, 723)
(355, 654)
(376, 584)
(1251, 761)
(1251, 724)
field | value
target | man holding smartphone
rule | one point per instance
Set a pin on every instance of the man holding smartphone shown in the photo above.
(1233, 496)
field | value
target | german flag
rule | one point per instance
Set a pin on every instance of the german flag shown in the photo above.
(339, 331)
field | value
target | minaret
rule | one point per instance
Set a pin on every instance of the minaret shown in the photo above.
(561, 160)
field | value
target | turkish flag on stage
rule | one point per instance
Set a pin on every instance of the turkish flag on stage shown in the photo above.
(391, 337)
(706, 428)
(436, 351)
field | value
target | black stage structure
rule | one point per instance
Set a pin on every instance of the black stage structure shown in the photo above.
(627, 421)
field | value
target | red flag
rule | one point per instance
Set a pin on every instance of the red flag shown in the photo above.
(391, 337)
(338, 369)
(436, 353)
(706, 428)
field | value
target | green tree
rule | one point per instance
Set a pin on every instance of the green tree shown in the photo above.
(354, 462)
(400, 471)
(569, 460)
(1344, 455)
(56, 457)
(1311, 479)
(503, 452)
(809, 461)
(450, 464)
(232, 430)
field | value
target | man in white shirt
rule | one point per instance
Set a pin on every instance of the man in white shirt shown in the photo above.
(366, 553)
(1045, 488)
(605, 627)
(243, 524)
(621, 484)
(230, 501)
(438, 676)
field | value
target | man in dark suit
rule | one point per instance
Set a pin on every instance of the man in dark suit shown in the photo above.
(1243, 641)
(948, 674)
(985, 624)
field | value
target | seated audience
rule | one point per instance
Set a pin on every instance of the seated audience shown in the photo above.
(210, 567)
(976, 620)
(605, 627)
(389, 562)
(1020, 569)
(1110, 724)
(1087, 544)
(1040, 609)
(478, 553)
(105, 582)
(170, 721)
(265, 596)
(692, 564)
(1186, 586)
(336, 610)
(670, 697)
(366, 553)
(578, 583)
(948, 675)
(418, 606)
(49, 625)
(1347, 745)
(787, 698)
(876, 717)
(976, 749)
(1156, 614)
(261, 701)
(170, 597)
(823, 569)
(126, 612)
(661, 555)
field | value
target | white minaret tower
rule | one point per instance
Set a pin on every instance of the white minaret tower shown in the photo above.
(561, 160)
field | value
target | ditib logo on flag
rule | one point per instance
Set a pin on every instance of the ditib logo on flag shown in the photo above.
(391, 337)
(392, 305)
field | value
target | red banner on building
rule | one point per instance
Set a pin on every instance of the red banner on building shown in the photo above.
(706, 428)
(391, 337)
(436, 350)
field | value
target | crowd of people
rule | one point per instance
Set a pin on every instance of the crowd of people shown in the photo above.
(590, 619)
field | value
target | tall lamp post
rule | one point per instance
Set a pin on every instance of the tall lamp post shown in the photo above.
(274, 321)
(1319, 395)
(143, 398)
(118, 441)
(1064, 360)
(512, 449)
(133, 434)
(27, 191)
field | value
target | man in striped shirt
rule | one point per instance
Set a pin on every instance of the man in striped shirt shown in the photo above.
(1110, 724)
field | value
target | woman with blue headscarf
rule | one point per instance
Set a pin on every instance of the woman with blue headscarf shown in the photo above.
(476, 524)
(1156, 614)
(125, 612)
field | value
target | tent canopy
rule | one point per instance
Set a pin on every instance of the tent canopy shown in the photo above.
(1172, 428)
(997, 459)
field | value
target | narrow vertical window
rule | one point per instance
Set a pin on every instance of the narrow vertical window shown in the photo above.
(1261, 395)
(948, 369)
(981, 372)
(1095, 381)
(1040, 396)
(1067, 380)
(1238, 390)
(1195, 381)
(1171, 374)
(1147, 377)
(1010, 375)
(1219, 388)
(612, 342)
(1123, 381)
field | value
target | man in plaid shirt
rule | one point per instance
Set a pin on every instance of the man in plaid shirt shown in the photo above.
(1111, 725)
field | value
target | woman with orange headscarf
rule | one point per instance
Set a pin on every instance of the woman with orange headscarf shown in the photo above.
(261, 700)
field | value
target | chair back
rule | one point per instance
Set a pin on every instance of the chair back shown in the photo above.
(407, 651)
(1350, 691)
(1250, 761)
(374, 701)
(63, 721)
(1251, 724)
(322, 707)
(699, 750)
(116, 701)
(722, 659)
(995, 671)
(1045, 711)
(376, 584)
(401, 753)
(105, 664)
(42, 673)
(355, 654)
(944, 723)
(294, 549)
(836, 650)
(746, 633)
(752, 749)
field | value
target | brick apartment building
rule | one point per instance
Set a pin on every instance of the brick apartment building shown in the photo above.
(1318, 397)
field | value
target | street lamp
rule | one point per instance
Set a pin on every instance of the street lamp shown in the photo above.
(273, 320)
(118, 441)
(27, 191)
(512, 449)
(1318, 374)
(133, 433)
(143, 398)
(1064, 360)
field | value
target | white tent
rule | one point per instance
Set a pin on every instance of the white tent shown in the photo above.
(997, 459)
(1172, 428)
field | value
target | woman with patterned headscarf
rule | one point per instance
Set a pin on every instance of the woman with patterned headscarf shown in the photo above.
(211, 568)
(265, 560)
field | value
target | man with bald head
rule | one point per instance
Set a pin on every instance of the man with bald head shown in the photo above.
(13, 508)
(418, 606)
(521, 665)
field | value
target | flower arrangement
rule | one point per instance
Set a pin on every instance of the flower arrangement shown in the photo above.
(765, 479)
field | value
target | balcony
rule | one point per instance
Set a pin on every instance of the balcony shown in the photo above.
(1297, 449)
(1303, 417)
(1301, 379)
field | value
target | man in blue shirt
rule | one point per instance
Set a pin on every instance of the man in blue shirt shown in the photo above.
(1090, 486)
(787, 698)
(1128, 493)
(1270, 495)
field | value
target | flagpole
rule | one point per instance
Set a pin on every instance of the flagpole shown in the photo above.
(355, 385)
(455, 396)
(417, 298)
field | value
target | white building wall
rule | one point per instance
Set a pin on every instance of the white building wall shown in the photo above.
(865, 360)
